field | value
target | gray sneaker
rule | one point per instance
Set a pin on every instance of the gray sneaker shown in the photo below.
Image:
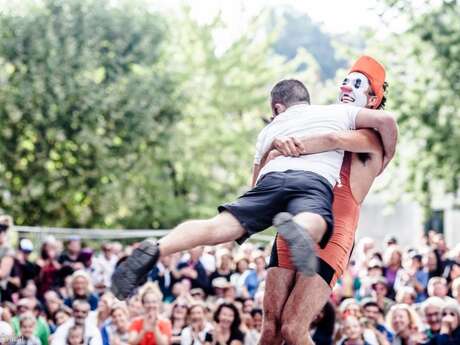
(301, 245)
(133, 272)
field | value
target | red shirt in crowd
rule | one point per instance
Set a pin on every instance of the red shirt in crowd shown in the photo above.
(149, 338)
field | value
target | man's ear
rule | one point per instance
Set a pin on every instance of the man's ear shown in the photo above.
(279, 108)
(372, 102)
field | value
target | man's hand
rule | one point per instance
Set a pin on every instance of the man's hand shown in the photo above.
(288, 146)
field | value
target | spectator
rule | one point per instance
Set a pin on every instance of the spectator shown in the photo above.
(456, 289)
(26, 269)
(69, 257)
(404, 323)
(29, 306)
(255, 277)
(406, 295)
(450, 329)
(52, 303)
(413, 275)
(253, 335)
(178, 319)
(6, 259)
(48, 278)
(379, 293)
(431, 311)
(433, 264)
(27, 323)
(239, 277)
(61, 315)
(81, 288)
(80, 317)
(76, 336)
(323, 325)
(374, 314)
(224, 266)
(150, 329)
(194, 271)
(349, 307)
(166, 274)
(134, 307)
(353, 332)
(437, 286)
(196, 332)
(393, 263)
(118, 331)
(104, 309)
(227, 329)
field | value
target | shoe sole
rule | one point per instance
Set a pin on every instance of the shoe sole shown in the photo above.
(301, 245)
(133, 272)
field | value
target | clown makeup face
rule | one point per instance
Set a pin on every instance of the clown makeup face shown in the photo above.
(354, 90)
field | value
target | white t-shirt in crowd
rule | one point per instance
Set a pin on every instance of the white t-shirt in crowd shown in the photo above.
(301, 120)
(187, 337)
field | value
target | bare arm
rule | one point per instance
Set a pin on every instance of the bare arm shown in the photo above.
(363, 140)
(385, 124)
(5, 266)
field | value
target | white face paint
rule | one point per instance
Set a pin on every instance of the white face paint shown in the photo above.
(353, 89)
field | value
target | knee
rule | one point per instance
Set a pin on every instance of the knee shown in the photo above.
(295, 334)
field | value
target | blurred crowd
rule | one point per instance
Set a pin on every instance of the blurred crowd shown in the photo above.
(58, 292)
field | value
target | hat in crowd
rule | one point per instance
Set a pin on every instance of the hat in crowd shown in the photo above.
(26, 245)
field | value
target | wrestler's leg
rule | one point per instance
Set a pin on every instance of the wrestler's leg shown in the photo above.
(222, 228)
(132, 272)
(305, 301)
(278, 285)
(314, 223)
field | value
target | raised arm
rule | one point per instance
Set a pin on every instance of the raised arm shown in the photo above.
(385, 124)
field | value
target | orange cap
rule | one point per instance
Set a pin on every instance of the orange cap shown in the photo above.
(374, 71)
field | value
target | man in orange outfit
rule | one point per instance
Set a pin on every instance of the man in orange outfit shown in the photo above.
(292, 300)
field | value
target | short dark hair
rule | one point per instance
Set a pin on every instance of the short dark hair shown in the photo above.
(383, 102)
(289, 92)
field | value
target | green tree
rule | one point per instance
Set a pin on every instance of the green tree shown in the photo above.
(81, 99)
(424, 72)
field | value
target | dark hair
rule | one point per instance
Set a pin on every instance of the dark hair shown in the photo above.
(289, 92)
(235, 327)
(381, 106)
(256, 311)
(372, 303)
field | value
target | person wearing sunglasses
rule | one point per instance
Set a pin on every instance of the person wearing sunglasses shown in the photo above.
(450, 326)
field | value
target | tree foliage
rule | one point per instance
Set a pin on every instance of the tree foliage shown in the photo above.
(81, 99)
(115, 116)
(424, 73)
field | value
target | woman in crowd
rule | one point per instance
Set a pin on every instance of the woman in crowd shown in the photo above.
(405, 324)
(255, 277)
(239, 277)
(150, 329)
(81, 288)
(253, 333)
(49, 267)
(224, 268)
(227, 328)
(104, 309)
(118, 330)
(178, 319)
(393, 263)
(353, 332)
(450, 326)
(199, 327)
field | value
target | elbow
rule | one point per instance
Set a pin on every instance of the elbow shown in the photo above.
(334, 141)
(387, 120)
